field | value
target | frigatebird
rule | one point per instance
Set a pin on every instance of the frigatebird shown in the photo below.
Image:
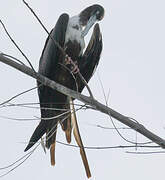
(62, 60)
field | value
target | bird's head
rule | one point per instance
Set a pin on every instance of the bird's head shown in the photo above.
(89, 16)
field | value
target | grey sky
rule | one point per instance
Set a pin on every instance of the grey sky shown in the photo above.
(131, 66)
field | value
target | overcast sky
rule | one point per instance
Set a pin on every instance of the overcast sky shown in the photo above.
(131, 68)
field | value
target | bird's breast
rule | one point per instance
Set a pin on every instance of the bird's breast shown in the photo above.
(73, 36)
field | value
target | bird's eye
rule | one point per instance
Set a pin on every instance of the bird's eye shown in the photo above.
(97, 12)
(98, 15)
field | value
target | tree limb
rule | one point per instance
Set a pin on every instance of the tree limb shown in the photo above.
(85, 99)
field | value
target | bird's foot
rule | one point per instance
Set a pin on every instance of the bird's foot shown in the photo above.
(74, 67)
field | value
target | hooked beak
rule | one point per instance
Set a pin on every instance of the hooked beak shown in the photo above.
(90, 23)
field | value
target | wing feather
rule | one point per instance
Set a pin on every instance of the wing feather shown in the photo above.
(90, 59)
(48, 66)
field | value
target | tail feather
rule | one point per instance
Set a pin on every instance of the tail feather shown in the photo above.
(50, 128)
(38, 133)
(47, 125)
(52, 153)
(78, 139)
(68, 131)
(66, 121)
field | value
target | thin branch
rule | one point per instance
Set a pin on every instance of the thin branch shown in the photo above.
(86, 84)
(87, 100)
(18, 160)
(24, 158)
(103, 127)
(108, 147)
(19, 119)
(1, 104)
(117, 130)
(29, 105)
(13, 58)
(16, 45)
(104, 147)
(38, 19)
(153, 152)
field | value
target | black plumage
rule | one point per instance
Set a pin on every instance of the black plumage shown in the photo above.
(68, 33)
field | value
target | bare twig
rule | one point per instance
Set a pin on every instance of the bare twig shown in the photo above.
(86, 84)
(19, 119)
(12, 164)
(108, 147)
(38, 19)
(17, 95)
(31, 106)
(13, 58)
(103, 127)
(149, 152)
(105, 147)
(113, 123)
(16, 45)
(24, 158)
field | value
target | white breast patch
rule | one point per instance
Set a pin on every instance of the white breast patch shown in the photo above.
(74, 34)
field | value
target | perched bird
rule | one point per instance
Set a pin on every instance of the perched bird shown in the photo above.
(63, 60)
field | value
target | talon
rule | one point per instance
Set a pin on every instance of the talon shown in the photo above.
(75, 69)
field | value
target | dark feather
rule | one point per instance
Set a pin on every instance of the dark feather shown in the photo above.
(55, 106)
(89, 61)
(49, 98)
